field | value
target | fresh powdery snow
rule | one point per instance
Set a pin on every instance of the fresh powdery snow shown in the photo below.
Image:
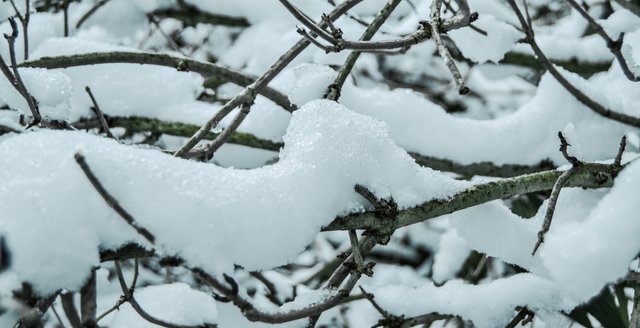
(176, 303)
(591, 242)
(257, 218)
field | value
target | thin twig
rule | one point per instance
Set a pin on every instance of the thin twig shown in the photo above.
(90, 12)
(224, 136)
(128, 295)
(335, 88)
(31, 102)
(99, 114)
(55, 313)
(247, 96)
(577, 93)
(65, 9)
(522, 316)
(172, 42)
(272, 291)
(555, 192)
(24, 20)
(88, 302)
(70, 310)
(615, 46)
(111, 201)
(355, 247)
(434, 25)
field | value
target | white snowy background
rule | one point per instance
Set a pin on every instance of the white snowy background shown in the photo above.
(254, 209)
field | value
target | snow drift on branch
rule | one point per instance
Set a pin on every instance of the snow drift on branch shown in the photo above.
(211, 216)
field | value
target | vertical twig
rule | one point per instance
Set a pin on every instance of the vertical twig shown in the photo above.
(99, 114)
(442, 48)
(24, 20)
(615, 46)
(88, 301)
(70, 310)
(65, 9)
(16, 79)
(555, 192)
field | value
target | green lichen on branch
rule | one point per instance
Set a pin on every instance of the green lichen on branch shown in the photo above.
(191, 16)
(581, 68)
(588, 176)
(143, 124)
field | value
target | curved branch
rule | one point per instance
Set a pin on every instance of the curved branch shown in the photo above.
(577, 93)
(145, 58)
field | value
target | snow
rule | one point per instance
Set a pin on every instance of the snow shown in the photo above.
(175, 303)
(328, 149)
(253, 209)
(452, 252)
(492, 47)
(487, 305)
(51, 88)
(590, 243)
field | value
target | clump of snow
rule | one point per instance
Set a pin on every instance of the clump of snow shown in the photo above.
(583, 256)
(631, 51)
(175, 303)
(590, 243)
(620, 21)
(452, 252)
(129, 89)
(482, 48)
(51, 89)
(211, 216)
(487, 305)
(533, 127)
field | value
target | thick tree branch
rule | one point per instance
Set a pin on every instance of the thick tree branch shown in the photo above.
(588, 176)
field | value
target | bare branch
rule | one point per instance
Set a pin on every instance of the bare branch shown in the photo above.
(555, 192)
(99, 114)
(88, 301)
(128, 295)
(335, 88)
(90, 12)
(69, 307)
(17, 79)
(577, 93)
(614, 46)
(182, 64)
(588, 175)
(248, 94)
(223, 137)
(434, 25)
